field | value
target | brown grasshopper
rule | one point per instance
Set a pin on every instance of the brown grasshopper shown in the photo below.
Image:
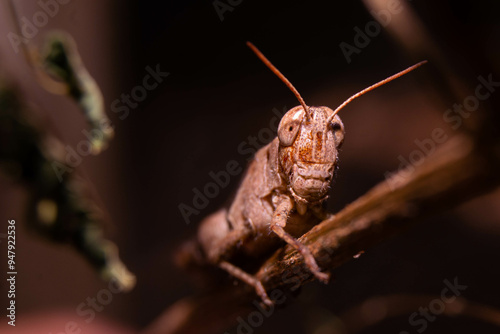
(282, 193)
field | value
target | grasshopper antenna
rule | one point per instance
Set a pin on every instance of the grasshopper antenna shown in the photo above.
(279, 75)
(372, 87)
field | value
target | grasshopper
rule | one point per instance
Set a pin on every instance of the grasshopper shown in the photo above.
(282, 194)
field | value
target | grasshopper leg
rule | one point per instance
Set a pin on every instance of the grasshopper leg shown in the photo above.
(248, 279)
(278, 224)
(219, 241)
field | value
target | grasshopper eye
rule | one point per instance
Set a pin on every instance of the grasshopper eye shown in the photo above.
(338, 131)
(336, 126)
(289, 126)
(287, 132)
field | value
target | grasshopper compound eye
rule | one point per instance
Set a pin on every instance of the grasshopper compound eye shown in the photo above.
(289, 126)
(337, 127)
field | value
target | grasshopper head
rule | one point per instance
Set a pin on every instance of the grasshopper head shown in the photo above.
(308, 151)
(310, 138)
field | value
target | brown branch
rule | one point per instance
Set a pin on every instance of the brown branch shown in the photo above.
(397, 305)
(462, 168)
(454, 174)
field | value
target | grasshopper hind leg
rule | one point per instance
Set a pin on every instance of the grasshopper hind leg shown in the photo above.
(219, 241)
(248, 279)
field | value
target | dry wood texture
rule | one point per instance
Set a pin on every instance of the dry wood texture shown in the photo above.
(455, 173)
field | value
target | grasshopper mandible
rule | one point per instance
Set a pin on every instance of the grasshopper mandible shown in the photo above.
(282, 194)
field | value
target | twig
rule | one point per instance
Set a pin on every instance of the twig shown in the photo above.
(464, 167)
(455, 173)
(397, 305)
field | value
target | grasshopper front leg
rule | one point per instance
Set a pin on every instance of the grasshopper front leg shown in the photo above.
(284, 206)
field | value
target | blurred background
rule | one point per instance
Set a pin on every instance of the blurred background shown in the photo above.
(216, 95)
